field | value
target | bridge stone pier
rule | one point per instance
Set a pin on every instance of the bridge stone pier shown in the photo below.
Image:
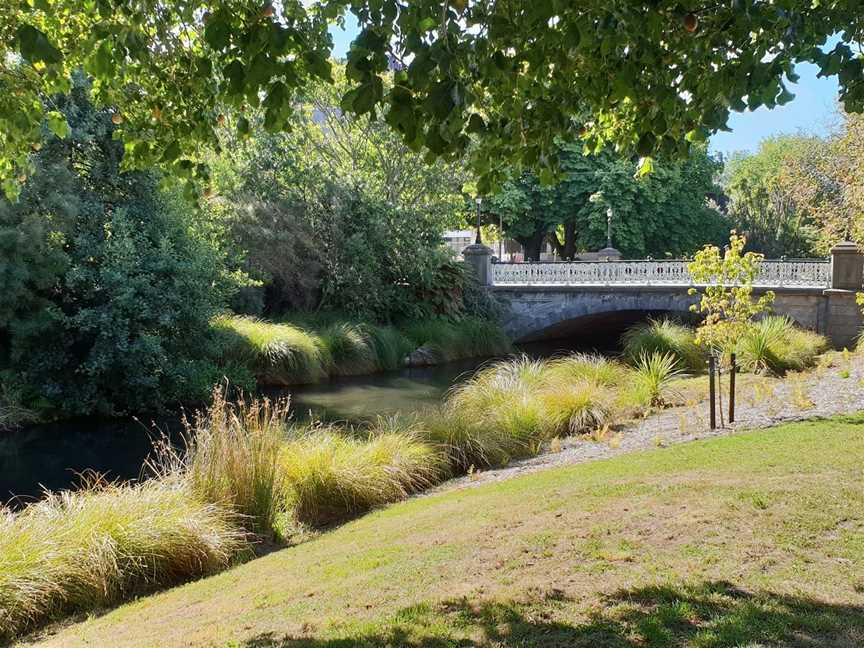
(556, 300)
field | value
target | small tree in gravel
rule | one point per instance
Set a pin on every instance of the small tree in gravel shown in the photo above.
(726, 281)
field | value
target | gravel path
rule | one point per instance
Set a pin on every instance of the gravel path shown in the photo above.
(820, 393)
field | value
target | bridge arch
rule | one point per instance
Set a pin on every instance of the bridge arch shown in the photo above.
(535, 313)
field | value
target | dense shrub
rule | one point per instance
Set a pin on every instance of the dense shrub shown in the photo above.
(108, 284)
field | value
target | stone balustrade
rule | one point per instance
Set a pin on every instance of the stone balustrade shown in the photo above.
(779, 274)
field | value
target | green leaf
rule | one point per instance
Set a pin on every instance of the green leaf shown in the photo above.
(217, 33)
(646, 167)
(171, 152)
(57, 124)
(367, 96)
(35, 46)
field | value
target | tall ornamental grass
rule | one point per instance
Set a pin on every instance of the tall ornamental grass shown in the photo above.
(232, 459)
(664, 336)
(775, 345)
(78, 551)
(296, 353)
(511, 408)
(351, 349)
(330, 475)
(277, 354)
(468, 338)
(652, 375)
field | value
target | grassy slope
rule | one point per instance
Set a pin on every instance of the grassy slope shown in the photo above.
(753, 538)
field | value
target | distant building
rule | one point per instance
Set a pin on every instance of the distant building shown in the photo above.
(507, 250)
(458, 240)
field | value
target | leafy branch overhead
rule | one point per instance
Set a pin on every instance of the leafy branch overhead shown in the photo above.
(508, 77)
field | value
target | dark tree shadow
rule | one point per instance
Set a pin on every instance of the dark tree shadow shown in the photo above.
(709, 615)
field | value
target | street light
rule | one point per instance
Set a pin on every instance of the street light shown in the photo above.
(478, 241)
(609, 227)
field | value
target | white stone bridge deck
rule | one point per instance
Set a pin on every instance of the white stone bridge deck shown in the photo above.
(801, 273)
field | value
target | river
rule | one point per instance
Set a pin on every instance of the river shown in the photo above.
(53, 456)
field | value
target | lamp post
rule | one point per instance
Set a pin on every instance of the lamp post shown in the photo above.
(478, 241)
(500, 237)
(609, 227)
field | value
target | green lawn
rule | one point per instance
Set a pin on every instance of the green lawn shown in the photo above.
(750, 540)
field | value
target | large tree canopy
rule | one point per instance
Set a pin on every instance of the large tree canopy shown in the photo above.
(666, 214)
(510, 74)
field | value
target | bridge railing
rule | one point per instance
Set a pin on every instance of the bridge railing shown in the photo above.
(803, 273)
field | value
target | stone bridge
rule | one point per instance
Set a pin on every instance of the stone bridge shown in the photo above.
(561, 300)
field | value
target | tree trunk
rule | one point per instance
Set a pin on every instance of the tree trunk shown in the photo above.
(532, 245)
(567, 250)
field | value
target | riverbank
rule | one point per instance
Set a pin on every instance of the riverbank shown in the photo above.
(308, 351)
(752, 539)
(834, 388)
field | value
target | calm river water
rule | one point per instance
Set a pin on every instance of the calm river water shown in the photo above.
(52, 456)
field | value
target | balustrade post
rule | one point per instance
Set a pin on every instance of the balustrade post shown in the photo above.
(847, 266)
(479, 257)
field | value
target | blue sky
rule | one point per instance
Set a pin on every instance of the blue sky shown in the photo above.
(813, 110)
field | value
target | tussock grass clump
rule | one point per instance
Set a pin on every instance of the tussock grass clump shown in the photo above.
(775, 345)
(468, 338)
(653, 374)
(577, 408)
(390, 344)
(585, 366)
(232, 458)
(664, 336)
(278, 354)
(330, 475)
(77, 551)
(511, 408)
(351, 349)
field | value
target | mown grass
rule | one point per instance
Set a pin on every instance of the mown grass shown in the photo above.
(720, 543)
(309, 350)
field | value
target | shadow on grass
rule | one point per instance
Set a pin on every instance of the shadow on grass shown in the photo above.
(709, 615)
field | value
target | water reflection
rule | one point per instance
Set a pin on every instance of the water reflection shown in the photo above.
(52, 456)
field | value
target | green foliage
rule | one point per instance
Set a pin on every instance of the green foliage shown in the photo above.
(664, 336)
(654, 372)
(514, 79)
(80, 551)
(108, 284)
(339, 213)
(765, 199)
(727, 288)
(665, 214)
(467, 338)
(330, 476)
(775, 345)
(277, 354)
(801, 195)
